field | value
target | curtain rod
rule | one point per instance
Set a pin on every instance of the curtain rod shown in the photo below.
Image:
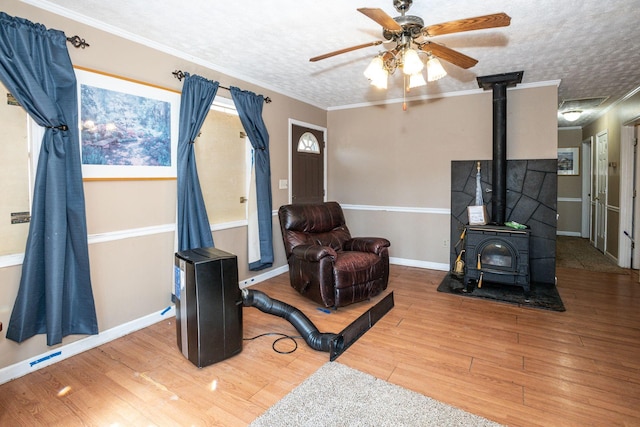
(178, 74)
(76, 41)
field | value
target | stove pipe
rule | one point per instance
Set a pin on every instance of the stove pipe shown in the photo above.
(499, 83)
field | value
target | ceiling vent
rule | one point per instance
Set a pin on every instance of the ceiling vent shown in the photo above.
(581, 104)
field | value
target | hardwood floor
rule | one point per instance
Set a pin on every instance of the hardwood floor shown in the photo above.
(520, 367)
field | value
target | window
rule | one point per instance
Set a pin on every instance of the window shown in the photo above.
(223, 157)
(308, 143)
(15, 191)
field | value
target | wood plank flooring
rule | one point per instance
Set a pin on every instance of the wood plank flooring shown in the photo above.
(516, 366)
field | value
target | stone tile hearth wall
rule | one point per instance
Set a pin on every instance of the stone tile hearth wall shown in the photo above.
(532, 194)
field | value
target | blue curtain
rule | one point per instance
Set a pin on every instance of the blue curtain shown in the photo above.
(249, 106)
(194, 230)
(55, 295)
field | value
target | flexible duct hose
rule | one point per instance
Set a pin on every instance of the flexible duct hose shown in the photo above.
(261, 301)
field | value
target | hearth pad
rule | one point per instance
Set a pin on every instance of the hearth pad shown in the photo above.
(542, 296)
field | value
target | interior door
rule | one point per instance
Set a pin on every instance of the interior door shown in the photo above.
(602, 177)
(586, 188)
(307, 164)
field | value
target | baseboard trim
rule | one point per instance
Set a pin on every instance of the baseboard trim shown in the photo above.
(613, 258)
(420, 264)
(264, 276)
(64, 352)
(569, 233)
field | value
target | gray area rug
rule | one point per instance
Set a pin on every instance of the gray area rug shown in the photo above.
(336, 395)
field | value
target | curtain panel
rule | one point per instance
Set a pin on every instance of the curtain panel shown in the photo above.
(194, 230)
(249, 106)
(55, 295)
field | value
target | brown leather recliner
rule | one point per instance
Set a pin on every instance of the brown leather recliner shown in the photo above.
(326, 264)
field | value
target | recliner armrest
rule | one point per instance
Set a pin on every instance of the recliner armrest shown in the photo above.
(312, 253)
(367, 244)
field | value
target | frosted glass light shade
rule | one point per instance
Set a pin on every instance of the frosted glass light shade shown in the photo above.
(375, 67)
(411, 62)
(435, 71)
(376, 73)
(572, 116)
(416, 80)
(380, 80)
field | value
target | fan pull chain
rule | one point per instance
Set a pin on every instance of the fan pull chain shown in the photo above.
(404, 92)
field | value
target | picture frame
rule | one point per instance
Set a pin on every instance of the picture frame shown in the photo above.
(569, 161)
(477, 215)
(128, 129)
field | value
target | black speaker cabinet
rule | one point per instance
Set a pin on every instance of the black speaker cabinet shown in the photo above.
(208, 305)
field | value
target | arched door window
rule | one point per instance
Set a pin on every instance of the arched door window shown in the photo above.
(308, 144)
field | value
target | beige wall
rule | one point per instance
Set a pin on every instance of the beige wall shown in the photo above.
(612, 122)
(570, 187)
(394, 166)
(131, 274)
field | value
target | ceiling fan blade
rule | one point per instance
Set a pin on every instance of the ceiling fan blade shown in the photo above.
(381, 17)
(449, 55)
(345, 50)
(469, 24)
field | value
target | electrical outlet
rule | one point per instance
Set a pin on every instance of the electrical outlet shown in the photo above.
(445, 243)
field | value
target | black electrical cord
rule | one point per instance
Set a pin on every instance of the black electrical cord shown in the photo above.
(282, 337)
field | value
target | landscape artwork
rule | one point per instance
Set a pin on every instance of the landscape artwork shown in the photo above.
(127, 129)
(568, 161)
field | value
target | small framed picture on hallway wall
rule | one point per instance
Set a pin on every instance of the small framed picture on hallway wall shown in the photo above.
(569, 161)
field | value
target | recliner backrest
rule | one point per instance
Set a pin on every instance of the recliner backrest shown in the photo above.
(313, 224)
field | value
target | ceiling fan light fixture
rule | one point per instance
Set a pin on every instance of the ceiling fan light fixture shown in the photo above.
(571, 115)
(416, 80)
(375, 67)
(380, 81)
(377, 73)
(410, 36)
(411, 62)
(435, 70)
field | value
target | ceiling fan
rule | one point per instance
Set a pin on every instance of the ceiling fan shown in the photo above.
(409, 31)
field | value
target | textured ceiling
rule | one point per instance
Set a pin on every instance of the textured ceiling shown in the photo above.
(591, 46)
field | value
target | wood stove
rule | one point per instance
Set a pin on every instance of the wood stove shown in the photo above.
(497, 254)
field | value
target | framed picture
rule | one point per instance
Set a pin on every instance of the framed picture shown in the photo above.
(477, 215)
(128, 130)
(569, 161)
